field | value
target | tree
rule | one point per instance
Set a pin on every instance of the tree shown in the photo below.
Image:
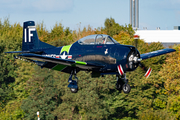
(170, 76)
(113, 28)
(26, 88)
(43, 96)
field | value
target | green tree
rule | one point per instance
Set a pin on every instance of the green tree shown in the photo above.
(113, 28)
(26, 88)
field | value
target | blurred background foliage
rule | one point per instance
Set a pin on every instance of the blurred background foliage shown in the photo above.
(26, 88)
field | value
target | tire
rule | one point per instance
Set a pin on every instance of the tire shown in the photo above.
(126, 88)
(74, 90)
(119, 85)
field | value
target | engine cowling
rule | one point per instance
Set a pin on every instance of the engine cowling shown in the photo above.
(133, 59)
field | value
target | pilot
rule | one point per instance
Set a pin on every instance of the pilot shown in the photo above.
(103, 41)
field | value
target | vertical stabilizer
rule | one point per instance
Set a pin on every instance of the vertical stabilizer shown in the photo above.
(30, 41)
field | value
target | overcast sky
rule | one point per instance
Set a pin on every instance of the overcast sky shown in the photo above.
(153, 13)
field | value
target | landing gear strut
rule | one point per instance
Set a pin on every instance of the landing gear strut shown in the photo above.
(73, 83)
(122, 84)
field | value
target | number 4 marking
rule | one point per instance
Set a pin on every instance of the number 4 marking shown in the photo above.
(30, 34)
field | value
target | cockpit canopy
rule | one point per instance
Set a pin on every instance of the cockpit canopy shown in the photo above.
(97, 39)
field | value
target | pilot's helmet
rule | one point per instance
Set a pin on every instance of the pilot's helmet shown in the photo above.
(103, 40)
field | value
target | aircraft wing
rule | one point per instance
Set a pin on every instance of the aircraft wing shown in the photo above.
(156, 53)
(66, 62)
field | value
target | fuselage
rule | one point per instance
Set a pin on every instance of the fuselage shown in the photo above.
(109, 55)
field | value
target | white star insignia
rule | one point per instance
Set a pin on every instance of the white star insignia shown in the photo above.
(63, 56)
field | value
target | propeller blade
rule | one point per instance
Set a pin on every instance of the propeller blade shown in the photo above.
(148, 71)
(120, 70)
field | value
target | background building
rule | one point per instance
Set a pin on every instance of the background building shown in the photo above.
(166, 37)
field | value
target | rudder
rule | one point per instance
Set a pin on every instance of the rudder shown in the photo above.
(30, 41)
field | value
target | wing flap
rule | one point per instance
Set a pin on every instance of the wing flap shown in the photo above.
(156, 53)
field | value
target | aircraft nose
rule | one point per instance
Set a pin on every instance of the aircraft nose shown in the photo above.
(133, 58)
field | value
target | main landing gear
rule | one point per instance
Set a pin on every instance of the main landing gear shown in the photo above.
(73, 83)
(122, 84)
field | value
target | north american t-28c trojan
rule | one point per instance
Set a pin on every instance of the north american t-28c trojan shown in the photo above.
(98, 53)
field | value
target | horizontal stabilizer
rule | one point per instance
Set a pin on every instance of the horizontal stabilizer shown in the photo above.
(18, 52)
(25, 51)
(37, 51)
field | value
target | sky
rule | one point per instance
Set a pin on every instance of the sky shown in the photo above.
(81, 13)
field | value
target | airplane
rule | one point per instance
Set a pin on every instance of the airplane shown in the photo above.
(99, 54)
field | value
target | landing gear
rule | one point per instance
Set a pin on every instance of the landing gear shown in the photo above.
(126, 88)
(74, 90)
(122, 84)
(119, 83)
(73, 86)
(73, 83)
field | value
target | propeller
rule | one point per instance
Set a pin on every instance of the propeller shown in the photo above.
(134, 59)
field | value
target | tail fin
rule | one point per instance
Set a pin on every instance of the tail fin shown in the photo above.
(30, 41)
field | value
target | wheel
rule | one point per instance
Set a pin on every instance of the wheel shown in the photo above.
(119, 84)
(74, 90)
(126, 88)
